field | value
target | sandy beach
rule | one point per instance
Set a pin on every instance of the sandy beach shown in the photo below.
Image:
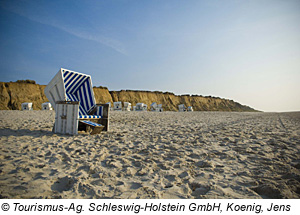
(153, 155)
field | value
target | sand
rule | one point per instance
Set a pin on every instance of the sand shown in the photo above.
(153, 155)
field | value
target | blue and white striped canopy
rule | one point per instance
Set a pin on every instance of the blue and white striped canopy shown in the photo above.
(78, 87)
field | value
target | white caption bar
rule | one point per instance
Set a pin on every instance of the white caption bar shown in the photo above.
(145, 206)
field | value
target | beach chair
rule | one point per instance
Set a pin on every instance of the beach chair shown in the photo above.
(181, 108)
(47, 106)
(159, 108)
(71, 95)
(156, 107)
(117, 106)
(141, 107)
(153, 106)
(27, 106)
(127, 106)
(190, 109)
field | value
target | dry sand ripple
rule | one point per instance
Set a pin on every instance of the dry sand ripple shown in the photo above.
(153, 155)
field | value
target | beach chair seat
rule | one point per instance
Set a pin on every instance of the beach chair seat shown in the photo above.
(92, 127)
(73, 88)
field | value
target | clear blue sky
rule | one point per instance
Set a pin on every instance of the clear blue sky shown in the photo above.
(248, 51)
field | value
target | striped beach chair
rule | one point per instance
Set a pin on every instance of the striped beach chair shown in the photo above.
(72, 97)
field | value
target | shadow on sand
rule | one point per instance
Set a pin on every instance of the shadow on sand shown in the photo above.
(28, 132)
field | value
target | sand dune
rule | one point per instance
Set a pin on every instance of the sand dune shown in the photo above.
(153, 155)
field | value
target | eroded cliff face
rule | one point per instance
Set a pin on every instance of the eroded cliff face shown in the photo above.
(102, 95)
(13, 94)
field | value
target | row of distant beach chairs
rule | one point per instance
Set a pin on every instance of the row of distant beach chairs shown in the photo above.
(138, 107)
(143, 107)
(28, 106)
(117, 107)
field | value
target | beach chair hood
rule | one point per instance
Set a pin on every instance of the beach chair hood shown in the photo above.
(68, 85)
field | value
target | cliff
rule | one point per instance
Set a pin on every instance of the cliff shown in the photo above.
(13, 94)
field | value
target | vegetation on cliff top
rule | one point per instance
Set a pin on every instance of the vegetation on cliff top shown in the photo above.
(26, 81)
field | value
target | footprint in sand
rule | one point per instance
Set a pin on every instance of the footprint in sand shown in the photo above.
(135, 185)
(63, 184)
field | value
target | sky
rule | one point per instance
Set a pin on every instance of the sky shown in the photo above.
(245, 50)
